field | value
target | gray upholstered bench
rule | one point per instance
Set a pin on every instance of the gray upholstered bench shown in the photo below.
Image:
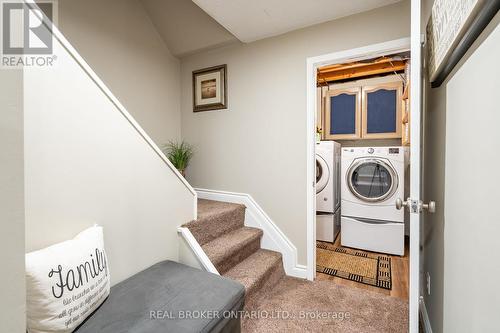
(169, 297)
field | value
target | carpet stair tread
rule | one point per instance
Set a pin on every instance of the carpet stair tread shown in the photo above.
(216, 218)
(230, 249)
(254, 271)
(209, 208)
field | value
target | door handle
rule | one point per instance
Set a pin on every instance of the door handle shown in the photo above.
(400, 203)
(431, 206)
(416, 206)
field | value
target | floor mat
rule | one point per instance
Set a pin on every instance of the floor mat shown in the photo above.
(359, 266)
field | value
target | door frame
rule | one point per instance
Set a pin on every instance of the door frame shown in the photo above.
(312, 63)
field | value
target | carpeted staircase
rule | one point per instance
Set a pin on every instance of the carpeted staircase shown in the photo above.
(235, 249)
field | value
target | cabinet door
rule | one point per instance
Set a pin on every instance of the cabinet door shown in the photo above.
(381, 111)
(343, 114)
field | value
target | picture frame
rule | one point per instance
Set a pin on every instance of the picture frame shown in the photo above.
(210, 88)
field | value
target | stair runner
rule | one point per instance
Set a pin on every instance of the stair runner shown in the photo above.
(235, 249)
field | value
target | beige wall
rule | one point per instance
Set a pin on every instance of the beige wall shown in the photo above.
(457, 176)
(86, 164)
(12, 285)
(258, 145)
(471, 194)
(432, 232)
(118, 40)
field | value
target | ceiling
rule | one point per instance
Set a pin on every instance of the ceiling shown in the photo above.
(253, 20)
(188, 26)
(185, 28)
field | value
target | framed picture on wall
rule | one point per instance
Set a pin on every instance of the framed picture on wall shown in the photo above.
(210, 88)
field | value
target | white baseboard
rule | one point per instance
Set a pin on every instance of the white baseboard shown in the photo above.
(273, 239)
(425, 317)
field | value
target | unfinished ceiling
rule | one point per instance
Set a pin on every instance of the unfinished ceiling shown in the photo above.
(185, 28)
(389, 64)
(253, 20)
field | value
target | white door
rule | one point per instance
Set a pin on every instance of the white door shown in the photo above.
(415, 162)
(414, 204)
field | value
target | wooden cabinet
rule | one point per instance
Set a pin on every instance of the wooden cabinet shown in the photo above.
(381, 111)
(364, 112)
(342, 119)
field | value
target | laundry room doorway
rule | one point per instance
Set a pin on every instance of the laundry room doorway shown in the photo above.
(391, 56)
(383, 170)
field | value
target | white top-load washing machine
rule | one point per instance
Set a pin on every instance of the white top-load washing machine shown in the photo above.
(327, 190)
(372, 179)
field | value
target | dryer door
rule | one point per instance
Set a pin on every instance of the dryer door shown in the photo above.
(372, 180)
(322, 174)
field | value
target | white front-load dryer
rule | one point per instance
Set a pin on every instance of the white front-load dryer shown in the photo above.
(327, 190)
(372, 180)
(327, 176)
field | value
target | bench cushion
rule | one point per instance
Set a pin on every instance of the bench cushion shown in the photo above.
(160, 298)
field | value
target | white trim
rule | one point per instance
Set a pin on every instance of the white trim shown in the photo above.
(196, 250)
(312, 64)
(88, 70)
(415, 166)
(425, 317)
(273, 238)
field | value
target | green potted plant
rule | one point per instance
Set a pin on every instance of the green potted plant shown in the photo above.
(179, 154)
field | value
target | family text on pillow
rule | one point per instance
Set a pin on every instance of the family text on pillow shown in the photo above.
(66, 282)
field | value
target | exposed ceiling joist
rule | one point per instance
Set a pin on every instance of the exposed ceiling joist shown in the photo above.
(359, 69)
